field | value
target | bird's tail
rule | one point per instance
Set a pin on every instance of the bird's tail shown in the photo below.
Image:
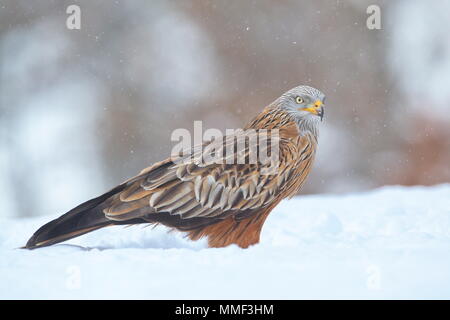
(85, 218)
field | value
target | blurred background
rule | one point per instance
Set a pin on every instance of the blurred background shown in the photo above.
(83, 110)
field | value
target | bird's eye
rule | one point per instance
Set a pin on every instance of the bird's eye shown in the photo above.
(299, 100)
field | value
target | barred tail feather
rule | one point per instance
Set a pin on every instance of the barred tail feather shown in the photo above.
(85, 218)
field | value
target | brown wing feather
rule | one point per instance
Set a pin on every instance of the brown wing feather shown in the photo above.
(208, 197)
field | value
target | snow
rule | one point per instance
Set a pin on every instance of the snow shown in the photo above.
(391, 242)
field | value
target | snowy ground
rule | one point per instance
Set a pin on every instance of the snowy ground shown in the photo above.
(392, 242)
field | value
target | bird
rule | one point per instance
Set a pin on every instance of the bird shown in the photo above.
(226, 202)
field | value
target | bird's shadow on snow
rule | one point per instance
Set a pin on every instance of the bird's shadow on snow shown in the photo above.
(165, 242)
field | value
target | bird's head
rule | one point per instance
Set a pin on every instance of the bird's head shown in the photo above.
(304, 103)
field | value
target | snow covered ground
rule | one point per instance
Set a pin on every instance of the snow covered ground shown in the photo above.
(392, 242)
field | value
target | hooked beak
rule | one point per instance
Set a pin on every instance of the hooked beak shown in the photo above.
(316, 108)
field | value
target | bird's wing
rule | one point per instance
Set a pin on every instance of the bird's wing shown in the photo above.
(196, 186)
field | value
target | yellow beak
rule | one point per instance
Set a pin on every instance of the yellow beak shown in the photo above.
(316, 108)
